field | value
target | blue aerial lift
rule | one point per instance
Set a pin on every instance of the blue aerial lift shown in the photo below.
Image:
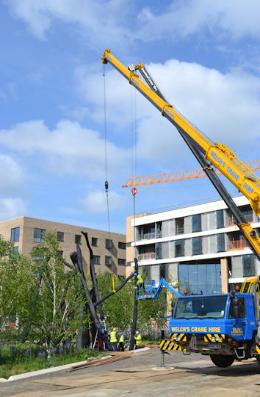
(151, 290)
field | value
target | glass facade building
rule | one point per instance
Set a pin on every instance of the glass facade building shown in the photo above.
(198, 247)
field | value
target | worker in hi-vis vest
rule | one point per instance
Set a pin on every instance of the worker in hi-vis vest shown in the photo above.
(113, 339)
(138, 340)
(139, 282)
(121, 343)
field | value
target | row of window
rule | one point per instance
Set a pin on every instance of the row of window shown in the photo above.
(108, 260)
(205, 277)
(39, 234)
(177, 248)
(166, 228)
(96, 258)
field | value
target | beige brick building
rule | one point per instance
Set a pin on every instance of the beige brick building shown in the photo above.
(109, 249)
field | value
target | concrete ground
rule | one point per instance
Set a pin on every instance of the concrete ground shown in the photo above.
(141, 375)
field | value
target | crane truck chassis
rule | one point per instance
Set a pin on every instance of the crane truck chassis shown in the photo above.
(223, 326)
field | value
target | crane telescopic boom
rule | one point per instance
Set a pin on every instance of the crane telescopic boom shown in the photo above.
(206, 151)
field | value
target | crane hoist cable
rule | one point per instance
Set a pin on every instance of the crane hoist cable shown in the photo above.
(134, 190)
(106, 184)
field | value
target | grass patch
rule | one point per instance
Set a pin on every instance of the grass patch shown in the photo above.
(33, 364)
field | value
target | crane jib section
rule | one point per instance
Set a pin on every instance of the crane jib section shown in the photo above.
(219, 155)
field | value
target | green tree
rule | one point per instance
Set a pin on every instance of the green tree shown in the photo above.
(17, 284)
(119, 308)
(59, 301)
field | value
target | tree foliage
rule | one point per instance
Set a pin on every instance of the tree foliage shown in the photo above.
(119, 308)
(59, 300)
(46, 300)
(17, 284)
(40, 294)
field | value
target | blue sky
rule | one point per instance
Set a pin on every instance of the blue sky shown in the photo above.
(204, 56)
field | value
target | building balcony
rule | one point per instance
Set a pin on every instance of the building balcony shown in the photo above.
(236, 245)
(248, 218)
(147, 236)
(179, 230)
(150, 235)
(146, 256)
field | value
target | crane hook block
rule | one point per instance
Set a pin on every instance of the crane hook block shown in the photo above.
(106, 186)
(134, 191)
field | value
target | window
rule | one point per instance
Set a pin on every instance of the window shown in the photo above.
(179, 225)
(179, 248)
(38, 235)
(77, 239)
(60, 236)
(237, 308)
(15, 234)
(96, 259)
(94, 241)
(247, 212)
(146, 271)
(158, 250)
(146, 232)
(248, 265)
(108, 260)
(121, 262)
(196, 223)
(163, 270)
(109, 244)
(121, 245)
(201, 307)
(15, 250)
(221, 242)
(37, 258)
(220, 218)
(196, 245)
(201, 278)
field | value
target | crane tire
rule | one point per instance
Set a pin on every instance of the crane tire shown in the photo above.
(222, 361)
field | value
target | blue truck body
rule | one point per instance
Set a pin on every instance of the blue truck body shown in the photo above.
(241, 328)
(223, 326)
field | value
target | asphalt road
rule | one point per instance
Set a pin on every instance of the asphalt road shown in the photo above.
(141, 375)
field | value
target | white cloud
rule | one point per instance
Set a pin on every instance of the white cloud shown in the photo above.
(115, 22)
(119, 95)
(11, 176)
(67, 149)
(183, 18)
(95, 202)
(96, 18)
(11, 208)
(225, 106)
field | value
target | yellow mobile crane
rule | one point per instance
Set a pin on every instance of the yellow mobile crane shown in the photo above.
(208, 153)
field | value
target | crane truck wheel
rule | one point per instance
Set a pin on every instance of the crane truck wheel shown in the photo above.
(222, 361)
